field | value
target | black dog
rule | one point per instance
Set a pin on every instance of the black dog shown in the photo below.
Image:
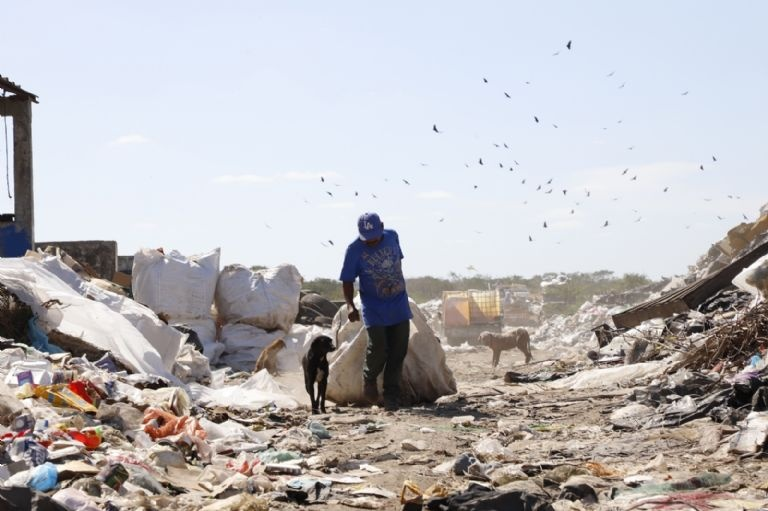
(315, 364)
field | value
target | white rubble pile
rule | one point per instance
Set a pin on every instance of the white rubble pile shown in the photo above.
(575, 330)
(432, 311)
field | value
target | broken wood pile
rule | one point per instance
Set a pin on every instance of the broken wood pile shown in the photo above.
(732, 342)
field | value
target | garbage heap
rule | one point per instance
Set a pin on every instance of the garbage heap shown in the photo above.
(107, 402)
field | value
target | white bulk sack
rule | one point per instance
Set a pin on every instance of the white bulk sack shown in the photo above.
(179, 286)
(268, 299)
(78, 317)
(426, 376)
(165, 339)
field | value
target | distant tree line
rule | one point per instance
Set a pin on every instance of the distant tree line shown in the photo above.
(565, 297)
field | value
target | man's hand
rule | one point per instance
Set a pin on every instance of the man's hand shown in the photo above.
(354, 315)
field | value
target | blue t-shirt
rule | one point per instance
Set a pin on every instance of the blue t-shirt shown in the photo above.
(382, 285)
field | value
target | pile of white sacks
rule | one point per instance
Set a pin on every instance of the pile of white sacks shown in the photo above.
(250, 308)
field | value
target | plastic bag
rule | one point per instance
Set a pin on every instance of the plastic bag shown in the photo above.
(43, 477)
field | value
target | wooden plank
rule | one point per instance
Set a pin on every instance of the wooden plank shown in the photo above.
(690, 296)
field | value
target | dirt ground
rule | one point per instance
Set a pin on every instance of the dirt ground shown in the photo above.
(553, 428)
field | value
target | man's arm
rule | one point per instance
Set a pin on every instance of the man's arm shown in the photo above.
(349, 298)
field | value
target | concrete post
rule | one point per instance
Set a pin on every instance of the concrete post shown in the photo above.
(24, 201)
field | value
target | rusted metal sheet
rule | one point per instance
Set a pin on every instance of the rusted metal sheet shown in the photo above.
(690, 296)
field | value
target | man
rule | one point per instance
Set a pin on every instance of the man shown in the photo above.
(374, 259)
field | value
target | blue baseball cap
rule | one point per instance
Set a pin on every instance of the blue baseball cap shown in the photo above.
(370, 227)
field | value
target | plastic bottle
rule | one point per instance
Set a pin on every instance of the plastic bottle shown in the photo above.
(43, 477)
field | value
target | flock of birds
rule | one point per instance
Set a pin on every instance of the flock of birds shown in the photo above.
(546, 187)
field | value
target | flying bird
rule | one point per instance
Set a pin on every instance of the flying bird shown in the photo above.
(610, 74)
(356, 194)
(374, 196)
(516, 163)
(555, 125)
(549, 191)
(529, 238)
(565, 192)
(744, 216)
(720, 218)
(666, 188)
(545, 224)
(634, 178)
(329, 193)
(507, 95)
(538, 188)
(535, 118)
(714, 159)
(322, 179)
(550, 181)
(622, 85)
(485, 80)
(630, 147)
(441, 220)
(568, 45)
(506, 146)
(434, 128)
(331, 242)
(701, 167)
(501, 165)
(684, 93)
(406, 181)
(638, 219)
(475, 187)
(605, 224)
(625, 171)
(480, 161)
(556, 54)
(522, 182)
(573, 211)
(471, 268)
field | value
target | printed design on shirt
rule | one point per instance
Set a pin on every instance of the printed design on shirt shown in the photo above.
(383, 266)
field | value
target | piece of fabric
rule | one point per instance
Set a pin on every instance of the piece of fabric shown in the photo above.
(381, 281)
(386, 350)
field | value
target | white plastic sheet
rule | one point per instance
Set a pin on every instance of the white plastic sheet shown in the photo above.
(267, 299)
(258, 391)
(174, 284)
(78, 317)
(165, 339)
(609, 376)
(754, 279)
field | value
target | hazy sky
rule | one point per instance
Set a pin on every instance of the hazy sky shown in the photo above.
(193, 125)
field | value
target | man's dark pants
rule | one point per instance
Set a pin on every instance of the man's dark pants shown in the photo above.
(387, 347)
